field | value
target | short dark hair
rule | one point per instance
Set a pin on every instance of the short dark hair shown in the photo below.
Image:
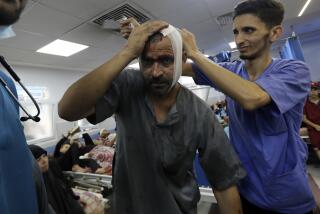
(270, 12)
(156, 37)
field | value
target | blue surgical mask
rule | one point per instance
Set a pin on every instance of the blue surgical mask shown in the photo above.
(6, 32)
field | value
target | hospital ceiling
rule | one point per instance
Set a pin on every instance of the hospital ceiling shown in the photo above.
(46, 20)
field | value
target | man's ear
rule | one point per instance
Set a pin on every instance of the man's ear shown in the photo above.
(275, 33)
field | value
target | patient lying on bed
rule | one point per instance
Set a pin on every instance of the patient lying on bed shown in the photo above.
(72, 155)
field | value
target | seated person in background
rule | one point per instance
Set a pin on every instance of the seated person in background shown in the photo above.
(160, 127)
(60, 195)
(221, 114)
(67, 153)
(311, 117)
(303, 131)
(221, 111)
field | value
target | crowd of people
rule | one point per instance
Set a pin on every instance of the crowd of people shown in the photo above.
(71, 154)
(260, 167)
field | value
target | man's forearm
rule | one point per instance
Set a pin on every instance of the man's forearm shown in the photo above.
(308, 122)
(229, 201)
(248, 94)
(81, 96)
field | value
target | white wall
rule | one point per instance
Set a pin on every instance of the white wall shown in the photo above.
(57, 82)
(310, 44)
(311, 51)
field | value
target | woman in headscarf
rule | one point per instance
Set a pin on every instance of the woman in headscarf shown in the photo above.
(60, 195)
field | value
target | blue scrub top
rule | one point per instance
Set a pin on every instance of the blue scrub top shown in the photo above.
(17, 188)
(267, 139)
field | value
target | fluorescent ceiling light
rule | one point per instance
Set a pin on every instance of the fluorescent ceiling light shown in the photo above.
(62, 48)
(134, 65)
(232, 45)
(304, 7)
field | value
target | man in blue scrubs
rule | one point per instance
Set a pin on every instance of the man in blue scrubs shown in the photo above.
(17, 184)
(265, 99)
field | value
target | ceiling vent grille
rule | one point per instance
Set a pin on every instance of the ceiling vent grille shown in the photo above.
(225, 19)
(125, 10)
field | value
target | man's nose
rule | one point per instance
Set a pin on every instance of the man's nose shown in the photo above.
(239, 38)
(42, 162)
(156, 69)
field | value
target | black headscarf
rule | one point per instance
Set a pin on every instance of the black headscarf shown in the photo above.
(37, 151)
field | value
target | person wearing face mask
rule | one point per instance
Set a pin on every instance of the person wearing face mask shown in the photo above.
(21, 185)
(160, 127)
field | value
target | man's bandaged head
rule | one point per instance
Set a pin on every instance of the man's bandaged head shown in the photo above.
(176, 43)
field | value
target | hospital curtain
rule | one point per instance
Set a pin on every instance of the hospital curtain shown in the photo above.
(292, 49)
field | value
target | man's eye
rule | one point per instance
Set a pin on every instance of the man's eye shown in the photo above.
(147, 62)
(235, 32)
(248, 30)
(167, 61)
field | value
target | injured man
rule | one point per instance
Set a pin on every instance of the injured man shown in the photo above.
(161, 125)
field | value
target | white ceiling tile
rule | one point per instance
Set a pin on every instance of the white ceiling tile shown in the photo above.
(46, 21)
(207, 25)
(39, 58)
(85, 9)
(26, 41)
(13, 54)
(158, 8)
(218, 7)
(90, 54)
(189, 14)
(94, 36)
(207, 33)
(292, 8)
(28, 7)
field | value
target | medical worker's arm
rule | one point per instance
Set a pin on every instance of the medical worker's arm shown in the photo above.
(247, 93)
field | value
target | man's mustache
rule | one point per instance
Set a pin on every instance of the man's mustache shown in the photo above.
(158, 80)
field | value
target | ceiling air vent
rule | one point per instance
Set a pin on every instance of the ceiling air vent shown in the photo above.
(116, 14)
(225, 19)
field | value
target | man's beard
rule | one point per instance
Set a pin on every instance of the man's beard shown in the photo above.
(258, 52)
(9, 13)
(158, 86)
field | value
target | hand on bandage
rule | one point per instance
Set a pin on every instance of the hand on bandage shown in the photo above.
(189, 43)
(140, 34)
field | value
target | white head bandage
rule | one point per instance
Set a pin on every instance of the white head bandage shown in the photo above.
(176, 42)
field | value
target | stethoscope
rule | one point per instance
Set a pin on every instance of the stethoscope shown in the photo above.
(35, 118)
